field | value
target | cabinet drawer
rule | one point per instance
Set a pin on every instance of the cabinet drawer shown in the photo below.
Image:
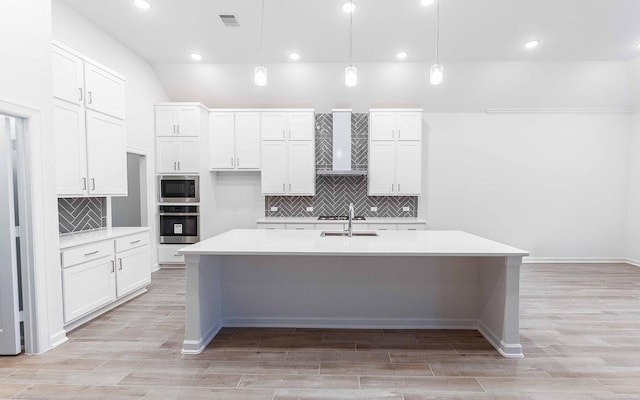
(132, 241)
(383, 227)
(411, 227)
(272, 226)
(331, 227)
(168, 254)
(301, 227)
(87, 253)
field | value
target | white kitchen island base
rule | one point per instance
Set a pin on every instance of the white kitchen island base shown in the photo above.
(415, 279)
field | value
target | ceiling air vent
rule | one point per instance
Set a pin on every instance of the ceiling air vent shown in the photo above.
(229, 20)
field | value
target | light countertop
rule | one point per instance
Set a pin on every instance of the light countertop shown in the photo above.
(388, 243)
(68, 240)
(315, 220)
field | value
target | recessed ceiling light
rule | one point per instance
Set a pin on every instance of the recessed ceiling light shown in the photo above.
(427, 2)
(196, 57)
(294, 56)
(348, 7)
(143, 4)
(402, 55)
(532, 44)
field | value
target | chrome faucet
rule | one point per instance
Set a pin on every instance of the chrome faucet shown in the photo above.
(352, 212)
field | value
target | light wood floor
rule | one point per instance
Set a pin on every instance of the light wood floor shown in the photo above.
(580, 330)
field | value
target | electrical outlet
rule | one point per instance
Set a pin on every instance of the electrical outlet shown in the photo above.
(404, 209)
(309, 209)
(274, 209)
(374, 209)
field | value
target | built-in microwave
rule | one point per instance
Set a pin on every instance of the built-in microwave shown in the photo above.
(178, 189)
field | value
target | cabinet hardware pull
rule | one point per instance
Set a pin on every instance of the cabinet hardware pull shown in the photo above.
(289, 133)
(120, 264)
(283, 133)
(237, 161)
(92, 253)
(178, 165)
(177, 255)
(178, 128)
(84, 183)
(135, 241)
(232, 161)
(283, 189)
(175, 166)
(93, 183)
(393, 134)
(399, 133)
(398, 187)
(90, 97)
(174, 129)
(392, 187)
(80, 93)
(113, 266)
(289, 187)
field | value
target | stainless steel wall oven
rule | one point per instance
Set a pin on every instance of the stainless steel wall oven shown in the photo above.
(179, 224)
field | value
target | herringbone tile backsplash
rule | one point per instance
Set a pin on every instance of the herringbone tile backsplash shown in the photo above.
(334, 193)
(81, 214)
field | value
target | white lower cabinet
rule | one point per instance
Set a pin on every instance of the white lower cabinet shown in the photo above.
(168, 254)
(95, 275)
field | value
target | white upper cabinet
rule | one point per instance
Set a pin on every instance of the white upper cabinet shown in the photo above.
(395, 153)
(178, 120)
(291, 125)
(177, 155)
(88, 125)
(104, 91)
(234, 141)
(274, 168)
(302, 168)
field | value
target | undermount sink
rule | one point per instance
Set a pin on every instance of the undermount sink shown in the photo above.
(345, 233)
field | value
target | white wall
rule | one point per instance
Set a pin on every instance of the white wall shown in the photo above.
(552, 184)
(633, 234)
(25, 78)
(468, 87)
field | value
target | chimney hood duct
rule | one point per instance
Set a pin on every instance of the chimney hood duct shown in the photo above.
(342, 146)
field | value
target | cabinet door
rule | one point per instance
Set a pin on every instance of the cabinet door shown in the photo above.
(381, 168)
(133, 270)
(188, 158)
(408, 168)
(247, 140)
(188, 121)
(274, 167)
(71, 150)
(409, 126)
(221, 139)
(166, 121)
(87, 287)
(382, 125)
(105, 91)
(68, 76)
(302, 171)
(106, 155)
(273, 125)
(301, 125)
(167, 155)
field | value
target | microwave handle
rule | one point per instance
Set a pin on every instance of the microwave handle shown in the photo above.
(179, 214)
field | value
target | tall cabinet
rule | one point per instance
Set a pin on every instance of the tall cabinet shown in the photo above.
(288, 153)
(395, 152)
(89, 126)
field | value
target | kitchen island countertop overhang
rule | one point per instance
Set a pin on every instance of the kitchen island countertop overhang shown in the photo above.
(399, 279)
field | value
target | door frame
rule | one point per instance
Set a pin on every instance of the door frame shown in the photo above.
(33, 233)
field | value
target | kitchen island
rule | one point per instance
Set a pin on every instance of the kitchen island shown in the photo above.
(398, 279)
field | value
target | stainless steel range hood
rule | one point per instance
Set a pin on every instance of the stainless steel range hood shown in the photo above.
(342, 146)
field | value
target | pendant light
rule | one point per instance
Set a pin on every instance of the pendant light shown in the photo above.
(350, 73)
(436, 74)
(260, 73)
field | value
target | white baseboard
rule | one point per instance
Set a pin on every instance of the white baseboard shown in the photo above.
(83, 320)
(635, 263)
(574, 260)
(155, 268)
(57, 339)
(198, 346)
(505, 349)
(350, 323)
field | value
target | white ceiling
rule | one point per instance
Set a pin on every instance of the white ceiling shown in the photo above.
(471, 30)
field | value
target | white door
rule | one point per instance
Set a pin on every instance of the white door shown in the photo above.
(274, 125)
(71, 148)
(409, 125)
(105, 91)
(221, 141)
(302, 172)
(106, 155)
(188, 156)
(381, 168)
(167, 155)
(382, 125)
(408, 168)
(274, 167)
(247, 140)
(132, 270)
(188, 121)
(9, 302)
(301, 125)
(68, 77)
(166, 121)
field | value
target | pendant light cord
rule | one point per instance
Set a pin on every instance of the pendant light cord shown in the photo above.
(262, 34)
(351, 33)
(437, 30)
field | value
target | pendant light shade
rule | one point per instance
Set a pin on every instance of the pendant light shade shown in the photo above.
(350, 76)
(260, 76)
(436, 74)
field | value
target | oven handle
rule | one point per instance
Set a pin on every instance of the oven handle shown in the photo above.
(180, 214)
